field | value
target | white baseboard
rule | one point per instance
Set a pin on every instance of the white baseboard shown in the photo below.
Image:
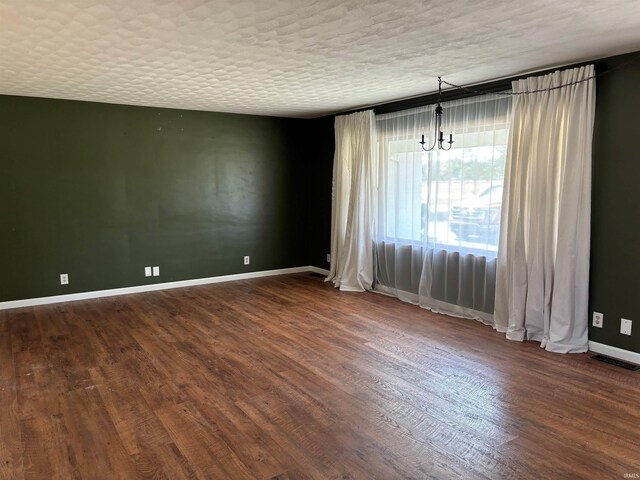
(30, 302)
(321, 271)
(615, 352)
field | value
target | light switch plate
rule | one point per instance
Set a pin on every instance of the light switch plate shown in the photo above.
(156, 271)
(147, 271)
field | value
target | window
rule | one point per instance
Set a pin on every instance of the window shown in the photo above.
(447, 200)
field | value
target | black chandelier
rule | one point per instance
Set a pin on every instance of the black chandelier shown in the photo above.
(438, 135)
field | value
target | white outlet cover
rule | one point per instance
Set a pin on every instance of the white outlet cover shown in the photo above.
(598, 319)
(625, 326)
(156, 271)
(64, 279)
(147, 271)
(246, 260)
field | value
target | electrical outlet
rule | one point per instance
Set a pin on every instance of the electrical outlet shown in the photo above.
(246, 259)
(328, 258)
(598, 319)
(64, 279)
(156, 271)
(147, 271)
(625, 326)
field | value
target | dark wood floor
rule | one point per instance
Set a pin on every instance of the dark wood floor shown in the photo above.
(286, 378)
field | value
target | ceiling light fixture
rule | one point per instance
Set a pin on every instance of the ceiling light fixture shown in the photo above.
(438, 135)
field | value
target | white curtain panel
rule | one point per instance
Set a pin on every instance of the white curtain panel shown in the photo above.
(353, 209)
(439, 211)
(543, 261)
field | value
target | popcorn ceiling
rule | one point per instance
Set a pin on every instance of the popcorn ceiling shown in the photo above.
(292, 58)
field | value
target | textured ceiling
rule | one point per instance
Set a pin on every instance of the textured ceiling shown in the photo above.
(288, 57)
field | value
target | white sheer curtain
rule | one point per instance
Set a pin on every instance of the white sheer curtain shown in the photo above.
(439, 212)
(353, 209)
(543, 263)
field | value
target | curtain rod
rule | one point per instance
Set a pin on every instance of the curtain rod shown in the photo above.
(489, 86)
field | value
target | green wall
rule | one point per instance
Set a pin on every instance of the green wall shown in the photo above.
(100, 191)
(320, 180)
(615, 228)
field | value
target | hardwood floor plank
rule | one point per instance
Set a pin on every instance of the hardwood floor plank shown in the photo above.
(196, 438)
(286, 378)
(262, 457)
(138, 428)
(97, 447)
(10, 437)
